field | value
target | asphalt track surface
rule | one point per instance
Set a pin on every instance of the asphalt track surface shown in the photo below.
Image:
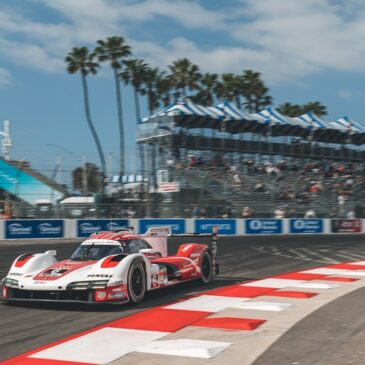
(333, 335)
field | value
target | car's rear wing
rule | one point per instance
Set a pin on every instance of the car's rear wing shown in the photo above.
(213, 243)
(157, 238)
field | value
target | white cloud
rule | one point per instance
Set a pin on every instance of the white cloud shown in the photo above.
(286, 40)
(5, 77)
(344, 94)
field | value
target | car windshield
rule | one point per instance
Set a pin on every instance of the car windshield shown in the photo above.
(95, 252)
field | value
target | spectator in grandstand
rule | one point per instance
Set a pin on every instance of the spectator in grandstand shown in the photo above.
(131, 212)
(350, 214)
(292, 213)
(341, 199)
(202, 213)
(247, 212)
(333, 213)
(227, 212)
(195, 211)
(279, 213)
(310, 213)
(236, 180)
(259, 187)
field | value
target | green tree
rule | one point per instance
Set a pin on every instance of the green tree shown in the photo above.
(291, 110)
(206, 93)
(230, 88)
(185, 75)
(80, 60)
(114, 50)
(134, 74)
(150, 88)
(315, 107)
(255, 92)
(164, 87)
(88, 179)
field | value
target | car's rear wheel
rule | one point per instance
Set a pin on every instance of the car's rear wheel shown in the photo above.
(206, 268)
(136, 282)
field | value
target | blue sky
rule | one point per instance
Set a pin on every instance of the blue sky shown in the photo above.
(307, 50)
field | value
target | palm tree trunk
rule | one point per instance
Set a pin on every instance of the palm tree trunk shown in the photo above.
(91, 125)
(140, 145)
(120, 122)
(136, 103)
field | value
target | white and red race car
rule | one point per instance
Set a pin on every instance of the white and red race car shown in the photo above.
(109, 267)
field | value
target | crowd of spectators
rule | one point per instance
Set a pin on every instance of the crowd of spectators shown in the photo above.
(286, 182)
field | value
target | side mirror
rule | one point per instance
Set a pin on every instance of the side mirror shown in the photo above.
(51, 252)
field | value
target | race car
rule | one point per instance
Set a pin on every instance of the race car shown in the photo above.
(109, 267)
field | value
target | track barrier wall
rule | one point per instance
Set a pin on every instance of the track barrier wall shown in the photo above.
(67, 228)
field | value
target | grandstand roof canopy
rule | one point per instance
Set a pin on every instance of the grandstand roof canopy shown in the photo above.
(227, 117)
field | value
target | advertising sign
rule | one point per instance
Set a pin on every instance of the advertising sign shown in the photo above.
(177, 225)
(346, 225)
(86, 227)
(306, 226)
(16, 229)
(225, 226)
(264, 226)
(168, 187)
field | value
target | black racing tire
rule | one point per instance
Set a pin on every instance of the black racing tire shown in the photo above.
(206, 267)
(136, 281)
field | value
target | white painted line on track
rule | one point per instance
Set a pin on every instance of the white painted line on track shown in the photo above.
(100, 347)
(328, 271)
(263, 306)
(186, 347)
(207, 303)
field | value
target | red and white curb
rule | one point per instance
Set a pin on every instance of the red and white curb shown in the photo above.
(217, 325)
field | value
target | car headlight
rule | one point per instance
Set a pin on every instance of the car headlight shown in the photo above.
(98, 284)
(85, 285)
(11, 283)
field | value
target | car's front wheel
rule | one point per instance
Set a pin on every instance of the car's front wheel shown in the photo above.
(136, 281)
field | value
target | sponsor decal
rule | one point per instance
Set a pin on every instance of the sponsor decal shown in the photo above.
(34, 228)
(224, 226)
(45, 228)
(306, 226)
(86, 227)
(100, 276)
(177, 225)
(346, 225)
(263, 226)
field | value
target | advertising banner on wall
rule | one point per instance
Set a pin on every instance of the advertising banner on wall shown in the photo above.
(19, 228)
(177, 225)
(225, 226)
(346, 225)
(86, 227)
(264, 226)
(306, 226)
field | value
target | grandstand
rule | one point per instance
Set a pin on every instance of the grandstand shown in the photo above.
(225, 159)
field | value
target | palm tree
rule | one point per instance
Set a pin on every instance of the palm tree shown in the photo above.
(230, 88)
(185, 75)
(315, 107)
(255, 92)
(206, 94)
(134, 74)
(114, 49)
(291, 110)
(80, 60)
(150, 88)
(164, 85)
